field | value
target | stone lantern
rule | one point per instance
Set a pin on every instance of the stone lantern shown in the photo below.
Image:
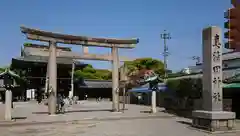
(7, 83)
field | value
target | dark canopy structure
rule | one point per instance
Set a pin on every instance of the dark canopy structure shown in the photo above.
(7, 74)
(29, 62)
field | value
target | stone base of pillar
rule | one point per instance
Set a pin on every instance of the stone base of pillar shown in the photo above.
(70, 95)
(154, 110)
(213, 120)
(8, 105)
(117, 112)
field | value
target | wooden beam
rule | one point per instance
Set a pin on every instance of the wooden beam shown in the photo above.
(74, 55)
(94, 57)
(26, 30)
(31, 45)
(77, 42)
(36, 34)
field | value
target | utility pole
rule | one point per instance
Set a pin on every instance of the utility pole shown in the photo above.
(165, 36)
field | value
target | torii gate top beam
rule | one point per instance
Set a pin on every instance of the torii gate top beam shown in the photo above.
(40, 35)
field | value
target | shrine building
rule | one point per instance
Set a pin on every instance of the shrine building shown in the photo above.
(35, 69)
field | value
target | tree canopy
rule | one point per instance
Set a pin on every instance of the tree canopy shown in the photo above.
(133, 67)
(2, 69)
(91, 73)
(137, 68)
(186, 87)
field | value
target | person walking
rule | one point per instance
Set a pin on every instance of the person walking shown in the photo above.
(39, 97)
(60, 103)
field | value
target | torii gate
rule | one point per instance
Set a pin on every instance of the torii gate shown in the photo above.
(54, 38)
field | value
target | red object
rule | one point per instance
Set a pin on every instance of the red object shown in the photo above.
(233, 26)
(235, 3)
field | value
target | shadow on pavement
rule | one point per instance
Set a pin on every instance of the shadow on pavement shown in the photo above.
(73, 111)
(179, 113)
(31, 123)
(19, 118)
(185, 123)
(146, 112)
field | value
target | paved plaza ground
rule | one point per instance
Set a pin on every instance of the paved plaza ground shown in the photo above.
(89, 118)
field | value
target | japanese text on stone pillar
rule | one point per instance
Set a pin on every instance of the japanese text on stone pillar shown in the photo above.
(216, 68)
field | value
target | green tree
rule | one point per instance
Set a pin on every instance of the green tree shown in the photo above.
(91, 73)
(173, 85)
(27, 44)
(145, 63)
(2, 69)
(185, 90)
(103, 74)
(137, 68)
(186, 87)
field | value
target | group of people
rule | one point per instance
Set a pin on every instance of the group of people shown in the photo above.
(62, 101)
(60, 104)
(98, 99)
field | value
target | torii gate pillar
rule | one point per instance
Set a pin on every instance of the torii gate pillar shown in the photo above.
(52, 78)
(115, 79)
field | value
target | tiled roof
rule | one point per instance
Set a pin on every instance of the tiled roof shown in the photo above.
(7, 71)
(226, 74)
(145, 88)
(96, 84)
(231, 55)
(45, 60)
(30, 51)
(227, 56)
(104, 84)
(31, 45)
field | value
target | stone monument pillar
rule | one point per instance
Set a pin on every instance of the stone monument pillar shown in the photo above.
(212, 116)
(8, 105)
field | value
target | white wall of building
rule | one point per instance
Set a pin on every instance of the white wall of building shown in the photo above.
(230, 60)
(231, 63)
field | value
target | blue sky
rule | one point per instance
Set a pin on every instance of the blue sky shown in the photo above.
(143, 19)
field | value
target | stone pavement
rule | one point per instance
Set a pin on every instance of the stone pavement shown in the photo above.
(91, 119)
(86, 110)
